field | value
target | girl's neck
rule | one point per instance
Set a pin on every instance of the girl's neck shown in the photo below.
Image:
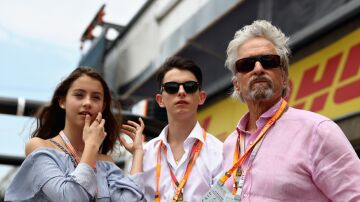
(75, 138)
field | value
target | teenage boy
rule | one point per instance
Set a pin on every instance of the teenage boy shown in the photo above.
(183, 162)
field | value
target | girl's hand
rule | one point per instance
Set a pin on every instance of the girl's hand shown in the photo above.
(134, 131)
(94, 133)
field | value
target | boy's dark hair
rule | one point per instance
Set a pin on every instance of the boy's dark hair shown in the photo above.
(181, 63)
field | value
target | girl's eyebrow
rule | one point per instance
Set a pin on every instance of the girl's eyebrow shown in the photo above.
(82, 90)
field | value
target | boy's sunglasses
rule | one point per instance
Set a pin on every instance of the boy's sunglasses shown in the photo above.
(173, 87)
(246, 65)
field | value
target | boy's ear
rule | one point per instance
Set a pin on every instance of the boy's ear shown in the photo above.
(159, 100)
(203, 96)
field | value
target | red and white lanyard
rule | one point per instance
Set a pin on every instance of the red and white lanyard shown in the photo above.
(235, 170)
(74, 154)
(70, 147)
(195, 151)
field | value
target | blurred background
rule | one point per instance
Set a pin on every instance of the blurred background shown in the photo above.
(41, 42)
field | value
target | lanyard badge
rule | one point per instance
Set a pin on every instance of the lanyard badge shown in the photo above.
(232, 198)
(217, 193)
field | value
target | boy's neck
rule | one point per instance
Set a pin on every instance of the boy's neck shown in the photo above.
(178, 131)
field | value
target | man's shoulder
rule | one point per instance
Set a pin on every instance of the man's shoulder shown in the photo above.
(230, 138)
(304, 115)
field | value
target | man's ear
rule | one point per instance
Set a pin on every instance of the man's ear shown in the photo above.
(235, 84)
(285, 79)
(61, 102)
(159, 100)
(203, 96)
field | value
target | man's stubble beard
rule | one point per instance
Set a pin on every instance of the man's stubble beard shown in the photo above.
(259, 92)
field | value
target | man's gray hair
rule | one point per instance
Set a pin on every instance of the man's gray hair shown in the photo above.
(263, 29)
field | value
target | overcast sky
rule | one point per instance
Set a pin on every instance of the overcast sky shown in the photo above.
(39, 45)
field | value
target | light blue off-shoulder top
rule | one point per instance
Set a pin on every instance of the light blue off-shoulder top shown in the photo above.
(49, 175)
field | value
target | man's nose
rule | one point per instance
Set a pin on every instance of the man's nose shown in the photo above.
(258, 67)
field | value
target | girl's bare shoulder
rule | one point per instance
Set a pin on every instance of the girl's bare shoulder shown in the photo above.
(35, 143)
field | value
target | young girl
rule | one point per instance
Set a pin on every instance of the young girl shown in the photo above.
(67, 156)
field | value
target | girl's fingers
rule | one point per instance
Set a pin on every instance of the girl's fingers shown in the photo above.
(124, 143)
(102, 123)
(128, 133)
(129, 128)
(98, 119)
(141, 122)
(87, 120)
(132, 129)
(133, 123)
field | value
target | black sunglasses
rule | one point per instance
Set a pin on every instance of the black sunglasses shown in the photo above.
(246, 65)
(173, 87)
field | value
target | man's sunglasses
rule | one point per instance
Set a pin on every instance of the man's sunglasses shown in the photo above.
(173, 87)
(246, 65)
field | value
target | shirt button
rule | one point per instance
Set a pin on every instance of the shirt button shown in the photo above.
(246, 195)
(251, 142)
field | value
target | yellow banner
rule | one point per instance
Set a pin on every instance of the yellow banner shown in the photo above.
(326, 82)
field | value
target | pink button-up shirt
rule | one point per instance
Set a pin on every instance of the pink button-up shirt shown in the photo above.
(303, 157)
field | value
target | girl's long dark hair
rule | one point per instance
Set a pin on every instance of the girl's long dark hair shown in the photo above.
(51, 118)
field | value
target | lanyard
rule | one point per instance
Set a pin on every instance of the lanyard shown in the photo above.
(70, 147)
(240, 173)
(74, 154)
(239, 150)
(195, 151)
(72, 150)
(261, 135)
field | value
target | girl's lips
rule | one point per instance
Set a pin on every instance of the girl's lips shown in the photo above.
(85, 113)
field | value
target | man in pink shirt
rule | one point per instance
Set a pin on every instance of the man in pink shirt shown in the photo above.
(281, 153)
